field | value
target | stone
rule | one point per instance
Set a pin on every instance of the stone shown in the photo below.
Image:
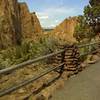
(26, 24)
(40, 97)
(21, 91)
(29, 22)
(10, 29)
(36, 23)
(16, 23)
(65, 30)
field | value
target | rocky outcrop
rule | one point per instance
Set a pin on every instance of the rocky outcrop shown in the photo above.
(10, 29)
(26, 23)
(65, 30)
(36, 23)
(16, 22)
(29, 22)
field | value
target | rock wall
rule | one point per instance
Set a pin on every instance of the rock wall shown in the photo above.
(65, 30)
(30, 24)
(9, 23)
(26, 23)
(16, 22)
(36, 23)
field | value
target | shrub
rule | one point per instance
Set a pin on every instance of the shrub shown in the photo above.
(27, 50)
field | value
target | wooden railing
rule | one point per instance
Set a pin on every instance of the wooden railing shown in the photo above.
(64, 63)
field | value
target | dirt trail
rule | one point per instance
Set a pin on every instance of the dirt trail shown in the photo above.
(84, 86)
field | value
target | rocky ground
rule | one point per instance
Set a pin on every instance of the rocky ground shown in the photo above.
(28, 92)
(84, 86)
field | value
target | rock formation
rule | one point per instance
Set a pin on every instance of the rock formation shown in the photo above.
(10, 29)
(16, 22)
(36, 23)
(65, 30)
(26, 23)
(29, 22)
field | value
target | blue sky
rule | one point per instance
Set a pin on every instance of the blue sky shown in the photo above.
(53, 12)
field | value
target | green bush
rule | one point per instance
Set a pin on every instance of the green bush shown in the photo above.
(27, 50)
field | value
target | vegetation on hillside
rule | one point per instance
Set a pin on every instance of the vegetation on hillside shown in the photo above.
(89, 24)
(27, 50)
(87, 28)
(92, 15)
(83, 31)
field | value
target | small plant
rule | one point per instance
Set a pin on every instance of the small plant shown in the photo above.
(27, 50)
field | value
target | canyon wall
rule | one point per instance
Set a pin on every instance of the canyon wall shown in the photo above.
(10, 29)
(16, 23)
(65, 30)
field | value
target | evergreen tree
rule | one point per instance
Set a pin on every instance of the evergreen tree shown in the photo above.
(92, 14)
(83, 30)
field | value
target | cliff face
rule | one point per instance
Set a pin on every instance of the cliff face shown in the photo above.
(26, 23)
(36, 23)
(65, 30)
(30, 24)
(16, 22)
(9, 23)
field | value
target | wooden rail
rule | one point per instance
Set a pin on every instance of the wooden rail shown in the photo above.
(34, 78)
(25, 82)
(88, 44)
(22, 65)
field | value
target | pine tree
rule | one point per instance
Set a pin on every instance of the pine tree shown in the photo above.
(92, 14)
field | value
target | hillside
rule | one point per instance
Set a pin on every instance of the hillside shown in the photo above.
(65, 30)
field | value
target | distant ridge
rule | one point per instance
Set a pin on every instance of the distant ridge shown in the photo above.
(65, 30)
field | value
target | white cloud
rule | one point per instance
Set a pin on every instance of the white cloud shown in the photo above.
(42, 16)
(56, 20)
(52, 25)
(58, 10)
(53, 16)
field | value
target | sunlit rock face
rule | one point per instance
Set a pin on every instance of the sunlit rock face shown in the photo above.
(9, 23)
(26, 23)
(36, 24)
(16, 22)
(65, 30)
(29, 22)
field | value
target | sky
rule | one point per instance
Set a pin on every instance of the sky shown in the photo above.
(53, 12)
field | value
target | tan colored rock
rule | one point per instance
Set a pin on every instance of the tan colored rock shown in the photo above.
(26, 21)
(36, 24)
(65, 30)
(21, 91)
(91, 59)
(30, 24)
(16, 22)
(9, 23)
